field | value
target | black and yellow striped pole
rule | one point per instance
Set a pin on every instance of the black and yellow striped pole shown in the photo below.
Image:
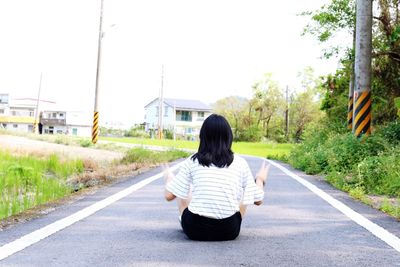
(95, 127)
(362, 113)
(350, 108)
(362, 91)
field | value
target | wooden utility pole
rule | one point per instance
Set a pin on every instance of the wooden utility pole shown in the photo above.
(287, 114)
(36, 123)
(160, 106)
(362, 90)
(95, 128)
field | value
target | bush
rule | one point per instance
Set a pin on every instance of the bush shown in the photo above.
(336, 152)
(381, 174)
(136, 132)
(251, 134)
(350, 163)
(85, 143)
(346, 150)
(168, 134)
(391, 132)
(310, 156)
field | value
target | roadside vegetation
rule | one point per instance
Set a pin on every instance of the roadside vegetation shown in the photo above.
(141, 155)
(271, 150)
(369, 167)
(28, 181)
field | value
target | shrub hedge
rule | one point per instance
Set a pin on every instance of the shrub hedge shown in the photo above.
(368, 163)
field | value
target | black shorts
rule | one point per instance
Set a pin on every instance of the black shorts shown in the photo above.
(201, 228)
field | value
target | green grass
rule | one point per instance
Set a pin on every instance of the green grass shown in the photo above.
(154, 142)
(141, 155)
(390, 208)
(268, 150)
(26, 182)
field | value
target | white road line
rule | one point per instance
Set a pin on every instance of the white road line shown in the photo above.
(375, 229)
(34, 237)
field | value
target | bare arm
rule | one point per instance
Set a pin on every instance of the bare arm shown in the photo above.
(169, 196)
(261, 177)
(168, 176)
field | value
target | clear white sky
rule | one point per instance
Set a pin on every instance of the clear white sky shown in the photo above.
(210, 49)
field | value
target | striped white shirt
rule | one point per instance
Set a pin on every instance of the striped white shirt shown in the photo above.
(216, 192)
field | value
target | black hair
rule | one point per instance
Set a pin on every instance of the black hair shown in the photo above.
(215, 142)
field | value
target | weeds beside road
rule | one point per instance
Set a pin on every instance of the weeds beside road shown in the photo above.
(33, 173)
(26, 181)
(367, 168)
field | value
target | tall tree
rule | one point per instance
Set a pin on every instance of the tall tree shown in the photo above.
(339, 16)
(269, 100)
(234, 109)
(305, 105)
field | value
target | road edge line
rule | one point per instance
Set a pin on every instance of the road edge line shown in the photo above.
(46, 231)
(375, 229)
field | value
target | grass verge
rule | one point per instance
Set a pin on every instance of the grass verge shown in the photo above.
(26, 182)
(266, 150)
(29, 181)
(368, 168)
(141, 155)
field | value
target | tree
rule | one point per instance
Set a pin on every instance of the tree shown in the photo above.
(305, 106)
(336, 17)
(268, 101)
(339, 16)
(304, 109)
(234, 109)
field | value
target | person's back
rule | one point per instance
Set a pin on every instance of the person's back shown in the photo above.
(214, 186)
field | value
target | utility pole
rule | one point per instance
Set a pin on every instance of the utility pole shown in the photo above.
(362, 90)
(287, 114)
(350, 108)
(95, 128)
(36, 123)
(160, 106)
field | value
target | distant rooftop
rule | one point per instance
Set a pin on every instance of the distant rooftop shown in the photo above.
(5, 98)
(187, 104)
(34, 99)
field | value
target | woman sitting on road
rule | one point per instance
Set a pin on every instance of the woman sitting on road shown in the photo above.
(214, 186)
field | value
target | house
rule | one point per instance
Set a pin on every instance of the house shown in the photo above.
(19, 114)
(66, 122)
(182, 117)
(53, 122)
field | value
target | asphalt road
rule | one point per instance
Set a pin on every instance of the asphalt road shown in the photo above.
(294, 227)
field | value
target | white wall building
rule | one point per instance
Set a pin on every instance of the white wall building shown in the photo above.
(79, 123)
(66, 122)
(183, 117)
(19, 114)
(53, 122)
